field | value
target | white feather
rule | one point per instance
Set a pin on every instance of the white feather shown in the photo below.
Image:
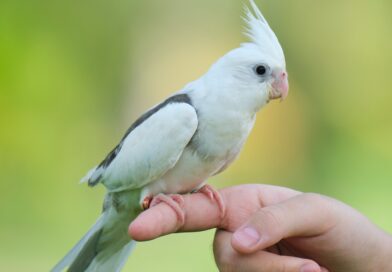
(152, 148)
(89, 174)
(261, 34)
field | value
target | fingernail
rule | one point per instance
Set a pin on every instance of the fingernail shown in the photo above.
(247, 237)
(309, 267)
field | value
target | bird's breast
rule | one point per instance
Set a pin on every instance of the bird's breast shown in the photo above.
(220, 136)
(213, 147)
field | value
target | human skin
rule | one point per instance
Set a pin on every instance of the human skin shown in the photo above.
(269, 228)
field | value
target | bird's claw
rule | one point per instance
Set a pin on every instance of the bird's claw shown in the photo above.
(174, 201)
(215, 196)
(146, 202)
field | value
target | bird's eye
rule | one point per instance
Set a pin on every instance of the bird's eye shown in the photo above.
(261, 70)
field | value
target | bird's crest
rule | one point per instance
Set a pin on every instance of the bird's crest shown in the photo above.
(260, 33)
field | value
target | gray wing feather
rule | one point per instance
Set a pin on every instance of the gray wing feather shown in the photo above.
(150, 147)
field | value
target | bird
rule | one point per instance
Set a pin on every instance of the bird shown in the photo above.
(174, 147)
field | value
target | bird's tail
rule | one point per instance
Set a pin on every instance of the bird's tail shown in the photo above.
(106, 245)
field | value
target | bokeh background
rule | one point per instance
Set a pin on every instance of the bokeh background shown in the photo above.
(75, 74)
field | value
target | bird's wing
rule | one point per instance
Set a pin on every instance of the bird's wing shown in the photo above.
(151, 146)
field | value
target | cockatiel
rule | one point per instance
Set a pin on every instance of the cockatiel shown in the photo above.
(177, 145)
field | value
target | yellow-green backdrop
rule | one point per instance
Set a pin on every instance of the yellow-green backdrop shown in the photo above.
(75, 74)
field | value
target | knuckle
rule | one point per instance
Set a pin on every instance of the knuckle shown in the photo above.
(285, 268)
(329, 206)
(313, 196)
(225, 262)
(280, 266)
(223, 254)
(315, 199)
(270, 215)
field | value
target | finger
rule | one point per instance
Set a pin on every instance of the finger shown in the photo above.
(303, 215)
(228, 259)
(200, 214)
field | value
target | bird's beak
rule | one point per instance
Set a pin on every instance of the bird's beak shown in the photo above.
(280, 86)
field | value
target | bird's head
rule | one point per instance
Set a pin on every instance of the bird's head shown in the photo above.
(257, 69)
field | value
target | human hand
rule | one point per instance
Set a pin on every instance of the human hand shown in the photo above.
(269, 228)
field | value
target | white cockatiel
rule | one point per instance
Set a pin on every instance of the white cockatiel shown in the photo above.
(176, 146)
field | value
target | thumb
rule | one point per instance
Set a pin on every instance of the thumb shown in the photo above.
(229, 260)
(303, 215)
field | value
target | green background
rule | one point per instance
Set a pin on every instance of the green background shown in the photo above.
(75, 74)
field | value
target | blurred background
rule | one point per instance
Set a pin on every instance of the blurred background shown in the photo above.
(75, 74)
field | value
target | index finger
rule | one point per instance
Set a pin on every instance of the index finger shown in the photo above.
(200, 214)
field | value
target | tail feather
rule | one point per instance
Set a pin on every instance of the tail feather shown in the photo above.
(107, 245)
(86, 255)
(115, 263)
(124, 254)
(74, 252)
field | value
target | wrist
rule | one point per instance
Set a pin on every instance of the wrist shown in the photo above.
(377, 254)
(372, 247)
(384, 255)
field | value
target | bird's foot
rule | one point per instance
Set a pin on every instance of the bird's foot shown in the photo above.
(174, 201)
(215, 196)
(146, 202)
